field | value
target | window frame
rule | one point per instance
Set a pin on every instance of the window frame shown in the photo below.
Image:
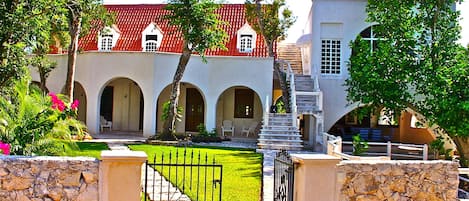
(331, 54)
(244, 98)
(106, 42)
(245, 43)
(148, 42)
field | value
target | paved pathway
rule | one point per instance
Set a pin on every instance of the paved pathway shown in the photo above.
(268, 174)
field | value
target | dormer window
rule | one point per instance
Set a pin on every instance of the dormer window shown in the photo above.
(246, 39)
(106, 42)
(246, 43)
(151, 43)
(151, 38)
(107, 38)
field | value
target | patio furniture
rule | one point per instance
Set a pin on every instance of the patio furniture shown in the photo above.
(377, 135)
(250, 129)
(364, 133)
(227, 126)
(105, 124)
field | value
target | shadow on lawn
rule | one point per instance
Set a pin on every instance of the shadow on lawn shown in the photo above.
(91, 146)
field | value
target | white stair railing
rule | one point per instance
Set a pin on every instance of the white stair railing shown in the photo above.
(266, 111)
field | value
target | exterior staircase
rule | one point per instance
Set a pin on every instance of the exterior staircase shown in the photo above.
(281, 131)
(306, 100)
(280, 134)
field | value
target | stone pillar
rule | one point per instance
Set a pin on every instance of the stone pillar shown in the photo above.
(120, 175)
(315, 177)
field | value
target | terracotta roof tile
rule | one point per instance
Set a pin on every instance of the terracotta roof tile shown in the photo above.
(133, 19)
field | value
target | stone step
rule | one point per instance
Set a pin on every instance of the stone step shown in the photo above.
(278, 132)
(305, 97)
(279, 135)
(268, 130)
(280, 141)
(303, 104)
(284, 120)
(280, 146)
(283, 128)
(279, 116)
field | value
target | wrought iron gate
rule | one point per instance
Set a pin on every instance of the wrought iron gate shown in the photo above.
(283, 177)
(183, 176)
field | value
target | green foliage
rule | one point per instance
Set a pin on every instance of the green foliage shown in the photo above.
(29, 124)
(266, 19)
(203, 131)
(165, 114)
(280, 106)
(199, 23)
(418, 64)
(360, 146)
(72, 148)
(25, 26)
(438, 148)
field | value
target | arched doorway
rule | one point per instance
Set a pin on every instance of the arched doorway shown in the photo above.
(122, 104)
(240, 105)
(80, 95)
(191, 101)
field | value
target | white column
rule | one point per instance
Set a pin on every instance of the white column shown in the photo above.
(211, 113)
(92, 112)
(149, 114)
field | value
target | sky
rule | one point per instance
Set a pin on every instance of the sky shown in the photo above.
(301, 8)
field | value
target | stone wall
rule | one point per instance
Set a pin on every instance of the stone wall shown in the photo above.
(397, 180)
(48, 178)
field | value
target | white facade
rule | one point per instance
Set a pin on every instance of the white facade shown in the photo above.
(152, 73)
(339, 20)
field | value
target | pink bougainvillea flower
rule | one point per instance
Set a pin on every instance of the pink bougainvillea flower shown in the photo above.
(5, 148)
(56, 102)
(75, 104)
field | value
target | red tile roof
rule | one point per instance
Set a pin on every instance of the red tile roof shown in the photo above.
(133, 19)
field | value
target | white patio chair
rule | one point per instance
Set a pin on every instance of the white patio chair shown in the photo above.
(227, 126)
(250, 129)
(105, 124)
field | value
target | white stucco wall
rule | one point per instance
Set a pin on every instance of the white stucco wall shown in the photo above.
(152, 72)
(349, 16)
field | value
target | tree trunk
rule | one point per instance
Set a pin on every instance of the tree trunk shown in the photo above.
(270, 49)
(42, 83)
(170, 123)
(462, 145)
(74, 29)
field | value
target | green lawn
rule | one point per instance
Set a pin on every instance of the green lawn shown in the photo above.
(91, 149)
(241, 169)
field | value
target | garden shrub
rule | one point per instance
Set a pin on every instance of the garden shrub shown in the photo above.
(31, 120)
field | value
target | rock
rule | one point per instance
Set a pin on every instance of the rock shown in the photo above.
(70, 178)
(71, 193)
(55, 194)
(21, 197)
(4, 172)
(89, 177)
(367, 198)
(90, 194)
(16, 183)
